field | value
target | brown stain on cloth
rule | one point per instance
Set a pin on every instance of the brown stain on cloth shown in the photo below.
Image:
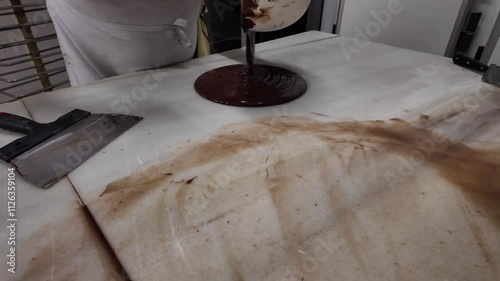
(68, 250)
(168, 184)
(475, 171)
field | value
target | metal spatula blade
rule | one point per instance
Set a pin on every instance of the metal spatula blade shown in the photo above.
(46, 163)
(49, 160)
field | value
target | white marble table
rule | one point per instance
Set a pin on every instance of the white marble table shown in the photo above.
(290, 205)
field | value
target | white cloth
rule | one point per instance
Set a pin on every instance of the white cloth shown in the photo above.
(105, 38)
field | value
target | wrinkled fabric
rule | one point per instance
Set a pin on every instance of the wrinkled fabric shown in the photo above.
(101, 39)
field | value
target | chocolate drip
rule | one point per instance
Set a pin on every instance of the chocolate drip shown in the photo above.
(250, 48)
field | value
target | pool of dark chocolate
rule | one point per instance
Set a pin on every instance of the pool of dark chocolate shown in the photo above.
(264, 85)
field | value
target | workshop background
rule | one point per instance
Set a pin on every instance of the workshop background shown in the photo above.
(32, 62)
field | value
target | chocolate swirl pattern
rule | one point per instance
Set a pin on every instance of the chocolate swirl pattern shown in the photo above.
(257, 85)
(236, 85)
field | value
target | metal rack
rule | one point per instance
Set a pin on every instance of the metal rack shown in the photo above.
(40, 60)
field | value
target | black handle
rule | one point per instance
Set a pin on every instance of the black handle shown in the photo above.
(17, 124)
(470, 63)
(36, 132)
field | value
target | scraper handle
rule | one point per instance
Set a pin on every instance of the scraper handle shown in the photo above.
(18, 124)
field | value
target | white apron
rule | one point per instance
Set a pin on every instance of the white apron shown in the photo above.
(105, 38)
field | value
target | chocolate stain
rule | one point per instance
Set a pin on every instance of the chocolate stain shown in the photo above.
(191, 180)
(475, 172)
(56, 251)
(423, 120)
(320, 114)
(247, 12)
(251, 13)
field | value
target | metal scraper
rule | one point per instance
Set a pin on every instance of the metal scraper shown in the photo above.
(50, 151)
(491, 73)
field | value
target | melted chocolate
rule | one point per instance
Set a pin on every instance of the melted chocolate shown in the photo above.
(250, 48)
(263, 86)
(247, 11)
(250, 85)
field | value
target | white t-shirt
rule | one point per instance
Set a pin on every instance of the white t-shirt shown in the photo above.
(105, 38)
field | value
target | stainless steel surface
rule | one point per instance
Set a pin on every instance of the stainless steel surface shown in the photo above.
(51, 160)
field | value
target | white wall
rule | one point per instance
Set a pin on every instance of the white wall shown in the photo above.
(423, 25)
